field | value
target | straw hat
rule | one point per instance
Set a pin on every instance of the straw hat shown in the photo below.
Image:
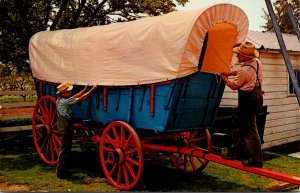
(246, 49)
(64, 87)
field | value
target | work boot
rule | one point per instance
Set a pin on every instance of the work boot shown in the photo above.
(231, 155)
(252, 163)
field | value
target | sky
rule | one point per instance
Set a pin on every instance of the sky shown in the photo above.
(252, 8)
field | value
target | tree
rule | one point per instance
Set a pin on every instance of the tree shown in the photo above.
(10, 79)
(20, 19)
(282, 16)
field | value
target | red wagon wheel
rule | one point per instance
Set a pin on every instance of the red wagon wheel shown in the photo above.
(195, 140)
(44, 130)
(121, 155)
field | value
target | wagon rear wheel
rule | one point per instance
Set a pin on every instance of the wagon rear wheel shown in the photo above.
(44, 130)
(197, 140)
(121, 155)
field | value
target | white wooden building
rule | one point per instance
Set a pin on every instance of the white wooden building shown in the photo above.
(283, 121)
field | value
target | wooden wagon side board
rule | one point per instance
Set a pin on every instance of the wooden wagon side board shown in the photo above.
(186, 103)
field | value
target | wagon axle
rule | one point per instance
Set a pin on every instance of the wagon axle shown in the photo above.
(116, 156)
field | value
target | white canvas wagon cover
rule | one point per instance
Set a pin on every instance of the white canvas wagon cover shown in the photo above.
(148, 50)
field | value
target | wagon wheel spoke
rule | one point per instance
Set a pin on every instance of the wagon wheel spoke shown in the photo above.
(131, 151)
(190, 163)
(127, 142)
(39, 133)
(107, 148)
(126, 177)
(52, 113)
(173, 159)
(111, 141)
(121, 155)
(47, 110)
(52, 150)
(131, 170)
(41, 120)
(193, 163)
(134, 162)
(54, 125)
(42, 110)
(187, 162)
(56, 145)
(44, 142)
(198, 141)
(44, 130)
(119, 175)
(53, 121)
(193, 134)
(123, 138)
(113, 169)
(116, 135)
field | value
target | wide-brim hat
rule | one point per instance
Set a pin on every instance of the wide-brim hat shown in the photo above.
(64, 87)
(246, 49)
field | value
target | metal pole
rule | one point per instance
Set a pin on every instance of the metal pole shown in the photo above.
(283, 50)
(293, 20)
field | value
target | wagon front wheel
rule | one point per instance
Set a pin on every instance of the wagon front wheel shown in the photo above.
(197, 140)
(121, 155)
(44, 130)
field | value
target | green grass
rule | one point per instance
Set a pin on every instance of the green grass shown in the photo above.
(14, 99)
(20, 164)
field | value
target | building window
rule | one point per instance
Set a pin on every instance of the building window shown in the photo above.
(291, 87)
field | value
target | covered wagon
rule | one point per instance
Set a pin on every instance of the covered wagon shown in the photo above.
(159, 86)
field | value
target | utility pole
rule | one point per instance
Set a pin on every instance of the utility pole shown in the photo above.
(293, 20)
(283, 50)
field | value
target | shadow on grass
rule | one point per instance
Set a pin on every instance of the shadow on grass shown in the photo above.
(281, 150)
(286, 149)
(85, 159)
(19, 153)
(158, 178)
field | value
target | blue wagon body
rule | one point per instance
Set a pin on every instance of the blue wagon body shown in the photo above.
(187, 103)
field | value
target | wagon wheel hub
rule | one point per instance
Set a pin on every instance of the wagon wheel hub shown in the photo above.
(48, 129)
(194, 140)
(116, 156)
(121, 155)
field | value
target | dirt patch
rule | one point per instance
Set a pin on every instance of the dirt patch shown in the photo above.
(278, 186)
(5, 187)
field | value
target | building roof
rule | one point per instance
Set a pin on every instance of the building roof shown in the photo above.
(268, 40)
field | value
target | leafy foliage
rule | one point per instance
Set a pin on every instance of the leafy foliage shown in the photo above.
(20, 19)
(282, 15)
(12, 79)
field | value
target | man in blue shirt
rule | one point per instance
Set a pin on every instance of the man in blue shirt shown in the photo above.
(64, 102)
